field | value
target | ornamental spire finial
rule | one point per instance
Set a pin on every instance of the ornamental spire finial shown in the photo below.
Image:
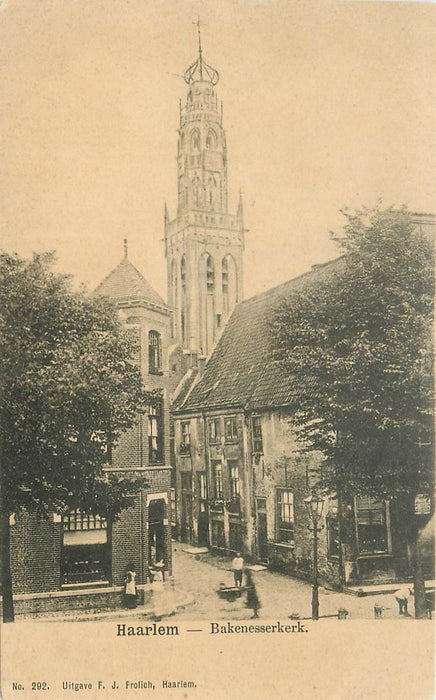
(199, 67)
(125, 248)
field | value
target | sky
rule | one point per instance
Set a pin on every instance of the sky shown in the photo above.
(326, 105)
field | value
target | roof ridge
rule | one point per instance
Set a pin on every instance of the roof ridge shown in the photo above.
(125, 280)
(315, 267)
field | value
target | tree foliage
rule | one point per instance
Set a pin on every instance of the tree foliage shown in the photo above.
(356, 344)
(70, 385)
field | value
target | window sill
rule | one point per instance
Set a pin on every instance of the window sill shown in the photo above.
(375, 555)
(285, 545)
(84, 585)
(156, 373)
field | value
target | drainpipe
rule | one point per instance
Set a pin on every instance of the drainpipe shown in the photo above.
(206, 464)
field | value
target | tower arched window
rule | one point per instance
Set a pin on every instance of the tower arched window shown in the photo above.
(210, 275)
(211, 139)
(228, 284)
(212, 189)
(195, 140)
(154, 352)
(183, 301)
(196, 184)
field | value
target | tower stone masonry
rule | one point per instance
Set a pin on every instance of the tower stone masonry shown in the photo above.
(204, 242)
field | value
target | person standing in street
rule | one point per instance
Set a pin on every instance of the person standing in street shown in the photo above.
(402, 598)
(130, 593)
(252, 597)
(238, 567)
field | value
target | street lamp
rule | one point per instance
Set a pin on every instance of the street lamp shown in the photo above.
(314, 505)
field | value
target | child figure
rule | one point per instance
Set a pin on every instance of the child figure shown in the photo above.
(130, 593)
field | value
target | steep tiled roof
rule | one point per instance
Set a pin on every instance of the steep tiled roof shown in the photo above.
(240, 371)
(125, 282)
(184, 387)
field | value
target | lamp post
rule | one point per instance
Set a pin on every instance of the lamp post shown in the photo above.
(314, 505)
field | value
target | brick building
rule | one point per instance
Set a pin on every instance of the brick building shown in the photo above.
(86, 552)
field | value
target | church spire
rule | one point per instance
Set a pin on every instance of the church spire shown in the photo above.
(205, 241)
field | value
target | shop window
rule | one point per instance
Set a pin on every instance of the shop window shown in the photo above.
(218, 479)
(372, 534)
(256, 429)
(285, 516)
(214, 430)
(85, 549)
(155, 434)
(230, 428)
(156, 531)
(154, 352)
(234, 478)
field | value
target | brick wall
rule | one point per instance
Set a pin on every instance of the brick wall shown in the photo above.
(36, 544)
(35, 553)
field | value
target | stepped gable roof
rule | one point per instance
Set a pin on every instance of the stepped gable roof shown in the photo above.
(126, 283)
(240, 373)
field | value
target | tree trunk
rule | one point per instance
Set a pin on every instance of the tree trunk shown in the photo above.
(8, 602)
(418, 576)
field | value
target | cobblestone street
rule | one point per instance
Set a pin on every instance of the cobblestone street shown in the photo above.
(280, 595)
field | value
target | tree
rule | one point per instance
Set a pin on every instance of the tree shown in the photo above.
(357, 345)
(69, 386)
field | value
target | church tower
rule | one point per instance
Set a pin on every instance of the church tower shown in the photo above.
(204, 243)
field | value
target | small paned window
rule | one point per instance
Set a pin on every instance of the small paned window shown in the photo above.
(76, 520)
(218, 479)
(285, 516)
(214, 430)
(234, 479)
(372, 532)
(230, 428)
(154, 352)
(155, 433)
(256, 426)
(185, 427)
(202, 490)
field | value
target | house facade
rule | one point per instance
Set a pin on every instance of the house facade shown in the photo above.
(88, 553)
(241, 475)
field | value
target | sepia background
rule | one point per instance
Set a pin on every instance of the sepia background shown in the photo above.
(326, 104)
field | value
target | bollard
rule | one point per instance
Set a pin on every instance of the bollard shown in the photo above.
(342, 614)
